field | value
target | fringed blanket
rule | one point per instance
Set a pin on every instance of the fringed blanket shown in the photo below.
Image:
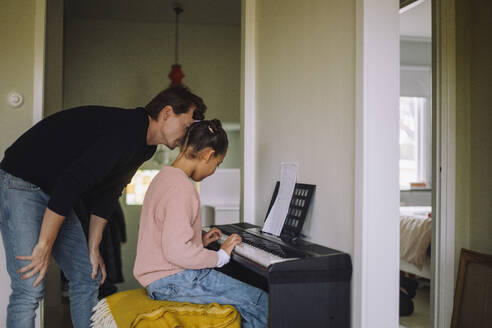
(134, 309)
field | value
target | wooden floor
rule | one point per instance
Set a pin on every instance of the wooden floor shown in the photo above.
(57, 316)
(56, 312)
(420, 318)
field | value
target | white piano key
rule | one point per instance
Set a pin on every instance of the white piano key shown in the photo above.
(252, 253)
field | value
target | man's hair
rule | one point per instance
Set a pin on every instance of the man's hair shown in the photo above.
(180, 98)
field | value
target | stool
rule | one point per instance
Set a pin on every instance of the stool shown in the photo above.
(134, 309)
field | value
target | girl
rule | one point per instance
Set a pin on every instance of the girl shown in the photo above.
(172, 262)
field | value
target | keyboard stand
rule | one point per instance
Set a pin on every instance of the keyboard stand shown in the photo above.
(313, 291)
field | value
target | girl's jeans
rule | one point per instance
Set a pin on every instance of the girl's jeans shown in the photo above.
(22, 206)
(210, 286)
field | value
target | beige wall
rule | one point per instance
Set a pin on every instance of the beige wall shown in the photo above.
(462, 209)
(125, 64)
(17, 25)
(480, 127)
(53, 89)
(305, 109)
(474, 133)
(54, 315)
(16, 65)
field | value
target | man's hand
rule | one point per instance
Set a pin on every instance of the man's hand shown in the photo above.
(40, 261)
(97, 262)
(211, 236)
(230, 243)
(96, 228)
(41, 254)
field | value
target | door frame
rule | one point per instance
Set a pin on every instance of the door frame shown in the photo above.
(39, 60)
(375, 282)
(38, 93)
(444, 161)
(248, 111)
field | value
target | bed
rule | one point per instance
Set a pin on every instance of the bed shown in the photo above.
(415, 240)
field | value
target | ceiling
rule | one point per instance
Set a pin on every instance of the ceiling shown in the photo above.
(219, 12)
(416, 22)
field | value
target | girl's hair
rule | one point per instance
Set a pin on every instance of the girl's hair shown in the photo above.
(203, 134)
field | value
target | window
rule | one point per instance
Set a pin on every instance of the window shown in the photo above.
(415, 141)
(136, 189)
(415, 126)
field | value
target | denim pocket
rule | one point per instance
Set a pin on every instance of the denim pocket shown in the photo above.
(20, 184)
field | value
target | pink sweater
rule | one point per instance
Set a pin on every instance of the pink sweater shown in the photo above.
(170, 234)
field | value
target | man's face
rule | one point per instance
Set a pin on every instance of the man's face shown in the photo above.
(174, 126)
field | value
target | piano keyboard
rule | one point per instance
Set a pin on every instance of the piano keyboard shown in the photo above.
(251, 248)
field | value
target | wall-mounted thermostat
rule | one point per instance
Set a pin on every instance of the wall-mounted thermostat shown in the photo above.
(15, 99)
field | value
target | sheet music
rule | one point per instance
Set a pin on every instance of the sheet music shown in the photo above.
(276, 218)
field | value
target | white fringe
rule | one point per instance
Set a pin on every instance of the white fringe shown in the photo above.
(102, 317)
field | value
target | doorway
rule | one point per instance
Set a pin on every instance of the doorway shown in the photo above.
(120, 54)
(415, 163)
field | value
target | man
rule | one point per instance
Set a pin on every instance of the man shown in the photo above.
(86, 151)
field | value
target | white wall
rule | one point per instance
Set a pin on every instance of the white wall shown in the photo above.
(415, 52)
(305, 109)
(416, 197)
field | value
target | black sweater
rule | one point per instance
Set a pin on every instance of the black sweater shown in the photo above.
(86, 151)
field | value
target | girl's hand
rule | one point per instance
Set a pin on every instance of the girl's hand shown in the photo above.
(230, 243)
(97, 262)
(40, 261)
(211, 236)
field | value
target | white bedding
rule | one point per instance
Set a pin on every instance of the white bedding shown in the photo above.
(425, 272)
(415, 236)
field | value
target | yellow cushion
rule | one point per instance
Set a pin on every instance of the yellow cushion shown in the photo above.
(133, 308)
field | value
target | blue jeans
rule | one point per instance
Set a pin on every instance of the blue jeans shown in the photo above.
(209, 286)
(22, 207)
